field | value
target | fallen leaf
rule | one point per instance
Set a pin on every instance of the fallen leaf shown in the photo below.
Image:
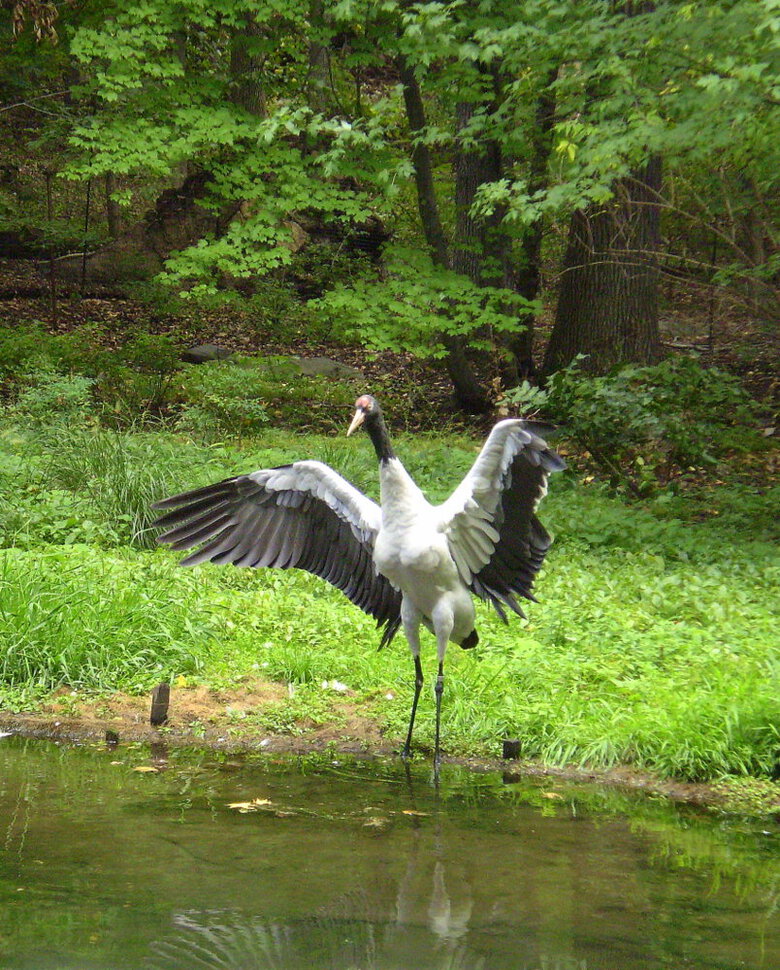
(551, 794)
(252, 806)
(147, 768)
(410, 811)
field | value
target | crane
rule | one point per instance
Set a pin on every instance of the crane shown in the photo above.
(404, 562)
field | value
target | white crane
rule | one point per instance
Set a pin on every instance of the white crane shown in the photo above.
(405, 561)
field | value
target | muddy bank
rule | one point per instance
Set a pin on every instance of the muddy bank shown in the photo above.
(222, 720)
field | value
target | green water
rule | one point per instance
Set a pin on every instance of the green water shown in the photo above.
(353, 865)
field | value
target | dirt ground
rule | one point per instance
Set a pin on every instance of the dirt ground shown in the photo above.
(221, 720)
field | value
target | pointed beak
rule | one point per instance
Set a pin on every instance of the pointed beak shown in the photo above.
(359, 418)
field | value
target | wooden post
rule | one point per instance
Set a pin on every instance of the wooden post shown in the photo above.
(161, 696)
(511, 750)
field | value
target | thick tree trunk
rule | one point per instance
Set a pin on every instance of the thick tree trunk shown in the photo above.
(469, 393)
(481, 250)
(246, 70)
(608, 301)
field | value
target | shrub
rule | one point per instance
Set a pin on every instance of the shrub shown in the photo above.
(135, 380)
(140, 379)
(240, 396)
(225, 400)
(641, 424)
(55, 398)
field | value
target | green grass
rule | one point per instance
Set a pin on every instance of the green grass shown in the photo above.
(654, 642)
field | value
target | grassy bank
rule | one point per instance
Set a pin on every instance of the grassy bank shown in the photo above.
(654, 642)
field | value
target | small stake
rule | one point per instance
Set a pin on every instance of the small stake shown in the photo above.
(511, 750)
(161, 696)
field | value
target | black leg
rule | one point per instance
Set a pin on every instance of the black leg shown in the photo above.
(439, 689)
(418, 683)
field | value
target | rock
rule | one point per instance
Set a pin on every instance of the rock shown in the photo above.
(325, 367)
(204, 352)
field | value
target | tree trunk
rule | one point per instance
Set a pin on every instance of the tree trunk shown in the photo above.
(246, 70)
(113, 211)
(423, 169)
(528, 272)
(481, 249)
(608, 301)
(469, 393)
(318, 79)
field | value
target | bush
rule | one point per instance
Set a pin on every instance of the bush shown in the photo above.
(55, 398)
(225, 400)
(140, 379)
(135, 380)
(240, 396)
(643, 424)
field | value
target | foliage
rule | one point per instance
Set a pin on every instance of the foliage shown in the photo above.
(122, 475)
(238, 397)
(623, 86)
(641, 423)
(53, 396)
(226, 400)
(74, 482)
(161, 88)
(526, 397)
(72, 615)
(136, 379)
(415, 303)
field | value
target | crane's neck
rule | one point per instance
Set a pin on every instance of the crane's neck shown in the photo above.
(377, 431)
(399, 495)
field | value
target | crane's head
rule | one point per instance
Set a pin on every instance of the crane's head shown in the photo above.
(366, 407)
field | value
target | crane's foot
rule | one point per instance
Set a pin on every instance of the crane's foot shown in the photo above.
(436, 769)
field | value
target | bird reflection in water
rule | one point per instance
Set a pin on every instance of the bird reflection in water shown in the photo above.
(233, 941)
(423, 928)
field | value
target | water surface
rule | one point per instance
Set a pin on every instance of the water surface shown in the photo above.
(353, 865)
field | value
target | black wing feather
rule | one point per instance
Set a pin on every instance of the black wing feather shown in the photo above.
(243, 522)
(523, 541)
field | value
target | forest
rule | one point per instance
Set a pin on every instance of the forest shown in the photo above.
(559, 210)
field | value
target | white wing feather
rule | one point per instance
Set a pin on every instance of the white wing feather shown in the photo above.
(468, 514)
(320, 480)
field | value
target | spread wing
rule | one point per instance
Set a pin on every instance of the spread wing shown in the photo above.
(496, 540)
(302, 516)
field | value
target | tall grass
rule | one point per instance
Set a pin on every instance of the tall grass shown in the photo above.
(121, 474)
(70, 615)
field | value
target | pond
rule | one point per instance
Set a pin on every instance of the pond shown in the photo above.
(130, 858)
